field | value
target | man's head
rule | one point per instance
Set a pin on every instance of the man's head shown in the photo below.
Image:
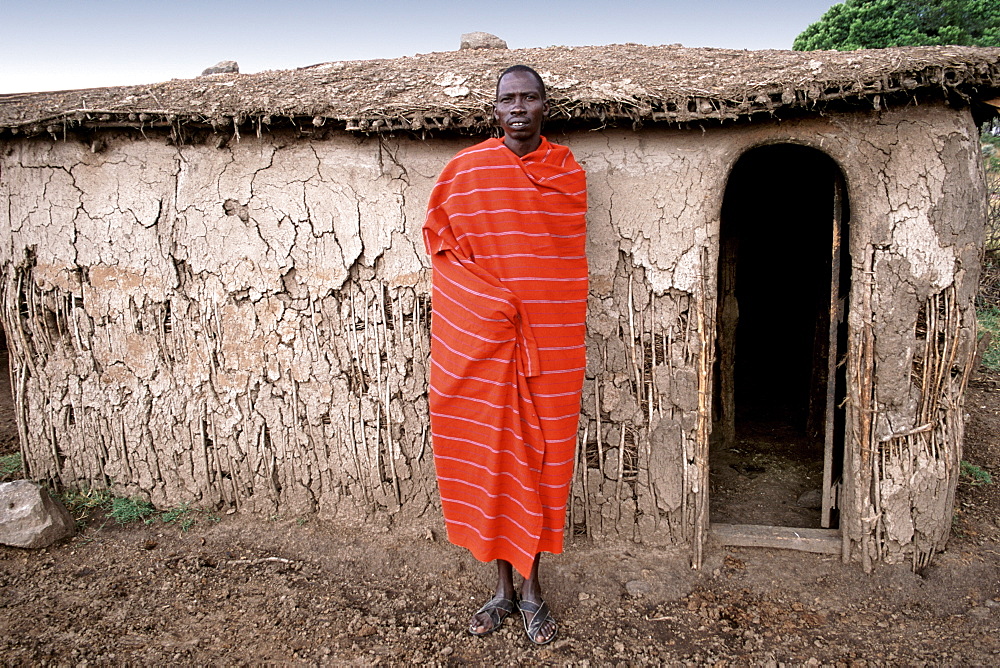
(520, 108)
(525, 69)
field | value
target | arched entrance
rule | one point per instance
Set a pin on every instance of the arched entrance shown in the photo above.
(784, 271)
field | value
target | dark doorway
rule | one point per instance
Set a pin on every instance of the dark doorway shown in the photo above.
(777, 446)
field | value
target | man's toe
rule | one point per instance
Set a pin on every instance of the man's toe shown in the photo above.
(545, 632)
(477, 625)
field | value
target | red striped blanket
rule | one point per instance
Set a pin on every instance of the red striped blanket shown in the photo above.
(507, 239)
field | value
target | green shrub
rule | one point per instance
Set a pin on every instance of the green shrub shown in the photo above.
(991, 147)
(989, 321)
(975, 475)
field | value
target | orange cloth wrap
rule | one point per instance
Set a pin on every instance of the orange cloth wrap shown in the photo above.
(507, 240)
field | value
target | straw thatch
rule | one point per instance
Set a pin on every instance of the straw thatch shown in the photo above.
(588, 85)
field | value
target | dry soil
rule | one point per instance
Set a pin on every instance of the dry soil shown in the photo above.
(240, 590)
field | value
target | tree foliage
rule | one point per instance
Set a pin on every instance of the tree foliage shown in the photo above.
(876, 24)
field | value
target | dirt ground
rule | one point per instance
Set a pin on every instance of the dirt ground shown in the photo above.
(767, 478)
(245, 590)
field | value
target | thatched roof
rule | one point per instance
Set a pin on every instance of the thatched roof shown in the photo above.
(588, 85)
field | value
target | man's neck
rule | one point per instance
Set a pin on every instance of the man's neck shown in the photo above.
(522, 148)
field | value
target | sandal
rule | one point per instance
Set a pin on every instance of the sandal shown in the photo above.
(539, 615)
(497, 608)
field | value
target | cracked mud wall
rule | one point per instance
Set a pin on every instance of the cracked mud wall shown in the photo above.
(917, 212)
(246, 326)
(242, 327)
(654, 202)
(913, 328)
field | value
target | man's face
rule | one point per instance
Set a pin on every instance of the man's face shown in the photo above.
(520, 106)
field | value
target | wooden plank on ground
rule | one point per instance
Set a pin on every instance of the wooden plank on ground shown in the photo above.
(822, 541)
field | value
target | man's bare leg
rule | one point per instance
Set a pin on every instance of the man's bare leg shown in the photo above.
(481, 622)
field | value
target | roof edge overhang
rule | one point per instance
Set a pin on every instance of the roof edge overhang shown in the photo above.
(757, 85)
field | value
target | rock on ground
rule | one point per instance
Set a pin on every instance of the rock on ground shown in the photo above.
(29, 517)
(222, 67)
(482, 40)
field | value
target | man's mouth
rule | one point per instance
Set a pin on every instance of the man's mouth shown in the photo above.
(517, 123)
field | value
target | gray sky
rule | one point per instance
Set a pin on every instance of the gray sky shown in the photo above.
(62, 44)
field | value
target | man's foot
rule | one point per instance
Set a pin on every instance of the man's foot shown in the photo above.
(539, 625)
(490, 617)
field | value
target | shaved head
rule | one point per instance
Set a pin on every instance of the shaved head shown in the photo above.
(526, 70)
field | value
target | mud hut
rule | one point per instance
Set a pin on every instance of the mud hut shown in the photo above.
(214, 289)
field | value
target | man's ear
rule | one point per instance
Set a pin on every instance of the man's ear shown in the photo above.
(545, 108)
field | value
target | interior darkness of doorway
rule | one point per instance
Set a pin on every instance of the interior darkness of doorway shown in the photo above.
(777, 223)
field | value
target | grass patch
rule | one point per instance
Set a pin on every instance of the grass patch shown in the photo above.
(128, 510)
(181, 516)
(84, 504)
(184, 517)
(11, 466)
(989, 321)
(974, 475)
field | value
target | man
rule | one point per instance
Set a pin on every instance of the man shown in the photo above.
(506, 232)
